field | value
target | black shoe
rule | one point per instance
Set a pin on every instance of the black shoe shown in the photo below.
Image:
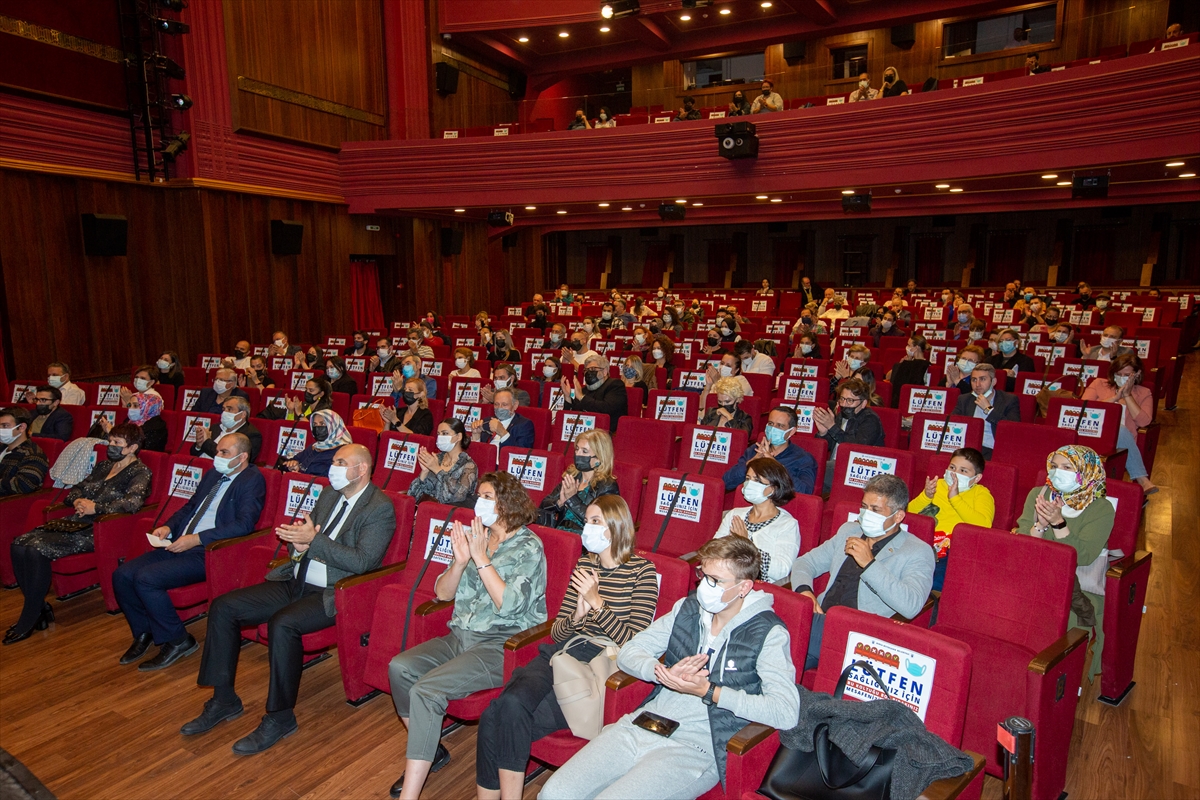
(12, 636)
(213, 715)
(47, 616)
(169, 653)
(138, 649)
(440, 759)
(264, 737)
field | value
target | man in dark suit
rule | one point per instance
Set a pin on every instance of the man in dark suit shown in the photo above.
(810, 291)
(50, 421)
(347, 533)
(598, 393)
(212, 398)
(507, 428)
(235, 418)
(226, 504)
(988, 403)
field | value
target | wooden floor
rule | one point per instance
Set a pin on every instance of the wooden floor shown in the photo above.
(92, 729)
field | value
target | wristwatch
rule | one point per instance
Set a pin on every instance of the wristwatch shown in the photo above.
(1059, 525)
(708, 696)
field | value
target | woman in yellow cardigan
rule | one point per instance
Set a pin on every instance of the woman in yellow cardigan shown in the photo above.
(956, 497)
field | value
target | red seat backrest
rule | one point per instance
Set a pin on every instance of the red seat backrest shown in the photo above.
(857, 464)
(282, 438)
(946, 711)
(569, 424)
(806, 368)
(890, 419)
(675, 578)
(794, 391)
(428, 523)
(631, 479)
(539, 416)
(1128, 500)
(678, 407)
(538, 470)
(298, 494)
(484, 456)
(646, 441)
(696, 515)
(562, 550)
(1026, 445)
(796, 611)
(817, 448)
(933, 400)
(1094, 424)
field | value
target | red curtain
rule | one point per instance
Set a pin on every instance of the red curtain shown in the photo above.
(597, 257)
(1092, 256)
(787, 253)
(719, 251)
(1006, 257)
(930, 265)
(364, 294)
(656, 264)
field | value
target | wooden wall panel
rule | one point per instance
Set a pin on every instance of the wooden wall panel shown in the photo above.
(197, 276)
(482, 96)
(341, 61)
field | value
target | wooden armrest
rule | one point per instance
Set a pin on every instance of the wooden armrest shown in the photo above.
(619, 680)
(433, 606)
(1146, 428)
(355, 580)
(1049, 658)
(692, 558)
(1119, 567)
(56, 507)
(527, 637)
(220, 543)
(949, 788)
(934, 596)
(278, 562)
(748, 737)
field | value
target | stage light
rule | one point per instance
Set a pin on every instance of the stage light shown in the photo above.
(560, 211)
(563, 34)
(605, 29)
(1063, 183)
(847, 191)
(615, 9)
(627, 208)
(459, 210)
(1175, 163)
(1185, 175)
(179, 102)
(603, 205)
(685, 17)
(175, 146)
(531, 208)
(760, 197)
(726, 11)
(523, 39)
(956, 189)
(171, 26)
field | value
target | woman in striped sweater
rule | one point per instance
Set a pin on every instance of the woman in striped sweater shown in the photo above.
(612, 595)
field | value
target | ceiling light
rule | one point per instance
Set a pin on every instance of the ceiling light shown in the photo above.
(630, 208)
(531, 208)
(1063, 183)
(681, 202)
(604, 205)
(847, 191)
(1185, 175)
(760, 197)
(765, 5)
(522, 39)
(726, 11)
(1175, 164)
(606, 11)
(685, 17)
(694, 205)
(615, 9)
(605, 29)
(776, 199)
(942, 186)
(459, 210)
(1049, 176)
(561, 211)
(956, 189)
(563, 34)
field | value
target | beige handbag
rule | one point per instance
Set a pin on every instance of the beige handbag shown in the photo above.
(579, 687)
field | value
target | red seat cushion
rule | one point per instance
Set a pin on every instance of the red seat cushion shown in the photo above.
(191, 595)
(311, 642)
(472, 706)
(557, 748)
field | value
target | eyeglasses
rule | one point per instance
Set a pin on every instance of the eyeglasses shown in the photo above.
(709, 579)
(848, 401)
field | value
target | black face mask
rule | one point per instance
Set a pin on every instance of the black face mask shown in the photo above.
(409, 398)
(309, 398)
(576, 345)
(114, 453)
(583, 463)
(42, 410)
(592, 376)
(239, 353)
(310, 359)
(728, 406)
(320, 432)
(714, 340)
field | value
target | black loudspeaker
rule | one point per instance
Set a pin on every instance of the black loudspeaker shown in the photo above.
(904, 35)
(104, 234)
(508, 241)
(736, 140)
(451, 241)
(648, 233)
(446, 78)
(856, 203)
(1089, 187)
(516, 85)
(286, 237)
(943, 221)
(672, 211)
(777, 227)
(794, 51)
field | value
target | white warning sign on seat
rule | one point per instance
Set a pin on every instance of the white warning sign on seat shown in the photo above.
(184, 480)
(401, 455)
(937, 436)
(445, 548)
(861, 467)
(800, 391)
(907, 675)
(689, 505)
(671, 409)
(1091, 425)
(714, 443)
(928, 401)
(299, 501)
(530, 470)
(575, 424)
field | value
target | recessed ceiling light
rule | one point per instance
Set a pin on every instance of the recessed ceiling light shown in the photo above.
(1175, 164)
(760, 197)
(563, 34)
(726, 11)
(700, 204)
(847, 191)
(627, 208)
(765, 5)
(1049, 176)
(685, 17)
(1063, 183)
(956, 189)
(942, 186)
(681, 202)
(459, 210)
(605, 29)
(776, 199)
(523, 39)
(604, 205)
(531, 208)
(1187, 174)
(561, 211)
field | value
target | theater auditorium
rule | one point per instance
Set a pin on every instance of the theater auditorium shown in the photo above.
(609, 399)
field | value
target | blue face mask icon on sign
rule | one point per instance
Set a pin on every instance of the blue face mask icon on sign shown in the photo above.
(916, 670)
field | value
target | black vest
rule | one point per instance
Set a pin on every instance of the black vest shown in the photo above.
(742, 647)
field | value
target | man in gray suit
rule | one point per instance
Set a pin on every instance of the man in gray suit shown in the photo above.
(873, 564)
(347, 533)
(988, 404)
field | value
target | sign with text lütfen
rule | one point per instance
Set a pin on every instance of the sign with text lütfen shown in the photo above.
(861, 467)
(689, 504)
(907, 674)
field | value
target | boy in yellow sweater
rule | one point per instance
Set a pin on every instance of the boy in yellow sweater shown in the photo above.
(956, 497)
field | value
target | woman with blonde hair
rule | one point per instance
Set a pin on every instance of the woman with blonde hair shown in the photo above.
(727, 412)
(612, 596)
(590, 476)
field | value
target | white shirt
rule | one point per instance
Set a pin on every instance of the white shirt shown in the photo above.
(317, 575)
(583, 355)
(989, 438)
(761, 365)
(498, 440)
(72, 395)
(209, 520)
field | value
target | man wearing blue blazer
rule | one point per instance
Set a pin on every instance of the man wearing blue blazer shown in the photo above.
(226, 504)
(507, 428)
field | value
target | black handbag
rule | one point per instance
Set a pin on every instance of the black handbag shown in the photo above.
(826, 773)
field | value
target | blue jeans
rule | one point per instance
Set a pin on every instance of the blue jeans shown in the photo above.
(141, 587)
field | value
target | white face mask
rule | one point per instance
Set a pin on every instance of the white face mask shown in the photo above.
(587, 328)
(225, 465)
(754, 491)
(1120, 380)
(220, 387)
(279, 342)
(141, 384)
(864, 84)
(658, 354)
(710, 597)
(640, 338)
(975, 335)
(595, 537)
(56, 381)
(886, 324)
(747, 362)
(445, 442)
(229, 420)
(1061, 336)
(8, 435)
(460, 363)
(872, 523)
(486, 511)
(963, 481)
(1101, 304)
(162, 364)
(726, 370)
(548, 371)
(965, 365)
(500, 383)
(1065, 480)
(338, 479)
(1107, 342)
(806, 348)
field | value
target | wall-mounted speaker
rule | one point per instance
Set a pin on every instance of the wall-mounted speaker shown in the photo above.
(104, 234)
(794, 51)
(446, 78)
(452, 240)
(1089, 187)
(904, 35)
(856, 203)
(286, 237)
(672, 211)
(736, 139)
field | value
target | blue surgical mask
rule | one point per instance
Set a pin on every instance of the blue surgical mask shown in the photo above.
(1008, 347)
(408, 371)
(776, 436)
(854, 363)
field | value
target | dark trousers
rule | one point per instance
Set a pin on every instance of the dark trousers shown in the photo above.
(33, 571)
(141, 588)
(287, 620)
(524, 712)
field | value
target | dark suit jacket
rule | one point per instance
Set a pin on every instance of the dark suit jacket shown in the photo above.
(207, 402)
(360, 545)
(59, 424)
(817, 294)
(209, 448)
(520, 433)
(238, 511)
(1004, 406)
(610, 399)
